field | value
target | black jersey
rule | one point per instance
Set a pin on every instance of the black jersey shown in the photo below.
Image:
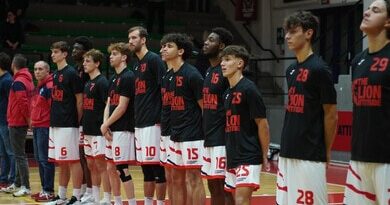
(186, 114)
(148, 73)
(94, 102)
(166, 95)
(371, 106)
(213, 112)
(310, 86)
(122, 84)
(243, 104)
(66, 84)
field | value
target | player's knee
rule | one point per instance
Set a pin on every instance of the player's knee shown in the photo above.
(153, 173)
(121, 171)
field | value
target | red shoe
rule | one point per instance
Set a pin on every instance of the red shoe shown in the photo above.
(44, 197)
(33, 196)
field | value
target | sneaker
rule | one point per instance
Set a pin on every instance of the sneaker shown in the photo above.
(57, 201)
(33, 196)
(73, 201)
(44, 197)
(104, 202)
(23, 191)
(10, 189)
(87, 198)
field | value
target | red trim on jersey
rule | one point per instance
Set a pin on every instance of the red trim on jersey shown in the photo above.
(231, 190)
(138, 149)
(368, 195)
(51, 147)
(354, 173)
(183, 166)
(281, 188)
(125, 162)
(148, 163)
(213, 176)
(108, 146)
(87, 145)
(175, 151)
(280, 174)
(163, 150)
(67, 161)
(255, 186)
(207, 159)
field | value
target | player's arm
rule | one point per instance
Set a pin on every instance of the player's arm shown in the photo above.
(330, 125)
(264, 136)
(79, 105)
(119, 111)
(106, 110)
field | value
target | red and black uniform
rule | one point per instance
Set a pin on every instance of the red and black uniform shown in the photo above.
(148, 73)
(94, 102)
(166, 95)
(122, 84)
(243, 104)
(41, 103)
(186, 114)
(310, 86)
(213, 112)
(371, 106)
(66, 83)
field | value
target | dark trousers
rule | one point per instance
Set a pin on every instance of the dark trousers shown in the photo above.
(18, 143)
(46, 169)
(7, 157)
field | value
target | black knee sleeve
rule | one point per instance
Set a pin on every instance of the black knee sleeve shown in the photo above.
(122, 174)
(153, 173)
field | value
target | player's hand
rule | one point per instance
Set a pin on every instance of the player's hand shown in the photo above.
(108, 135)
(105, 132)
(266, 164)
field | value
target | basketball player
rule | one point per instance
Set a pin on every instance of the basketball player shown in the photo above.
(94, 102)
(368, 180)
(214, 156)
(148, 71)
(310, 120)
(186, 121)
(65, 115)
(118, 123)
(247, 132)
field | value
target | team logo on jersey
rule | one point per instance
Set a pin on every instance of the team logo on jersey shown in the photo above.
(292, 71)
(232, 122)
(361, 61)
(364, 94)
(60, 78)
(296, 101)
(207, 74)
(91, 86)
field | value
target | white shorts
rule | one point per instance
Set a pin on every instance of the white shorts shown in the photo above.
(187, 155)
(243, 176)
(301, 182)
(164, 147)
(94, 146)
(367, 183)
(81, 142)
(63, 144)
(147, 144)
(121, 149)
(214, 162)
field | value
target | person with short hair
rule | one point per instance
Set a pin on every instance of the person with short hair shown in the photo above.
(214, 155)
(148, 71)
(368, 180)
(40, 123)
(310, 121)
(7, 157)
(118, 123)
(19, 120)
(94, 102)
(247, 130)
(65, 116)
(186, 140)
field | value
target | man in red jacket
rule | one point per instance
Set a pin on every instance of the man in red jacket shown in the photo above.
(40, 122)
(18, 116)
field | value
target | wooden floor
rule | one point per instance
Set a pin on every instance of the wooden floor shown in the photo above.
(265, 195)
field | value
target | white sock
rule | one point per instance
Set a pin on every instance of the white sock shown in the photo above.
(62, 192)
(107, 196)
(88, 190)
(83, 188)
(132, 201)
(148, 201)
(76, 193)
(96, 193)
(160, 202)
(118, 200)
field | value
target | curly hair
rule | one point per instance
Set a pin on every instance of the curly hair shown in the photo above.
(181, 40)
(225, 36)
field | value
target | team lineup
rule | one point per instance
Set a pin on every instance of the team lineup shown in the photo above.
(182, 127)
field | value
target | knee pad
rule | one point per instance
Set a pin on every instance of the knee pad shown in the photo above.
(122, 174)
(154, 173)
